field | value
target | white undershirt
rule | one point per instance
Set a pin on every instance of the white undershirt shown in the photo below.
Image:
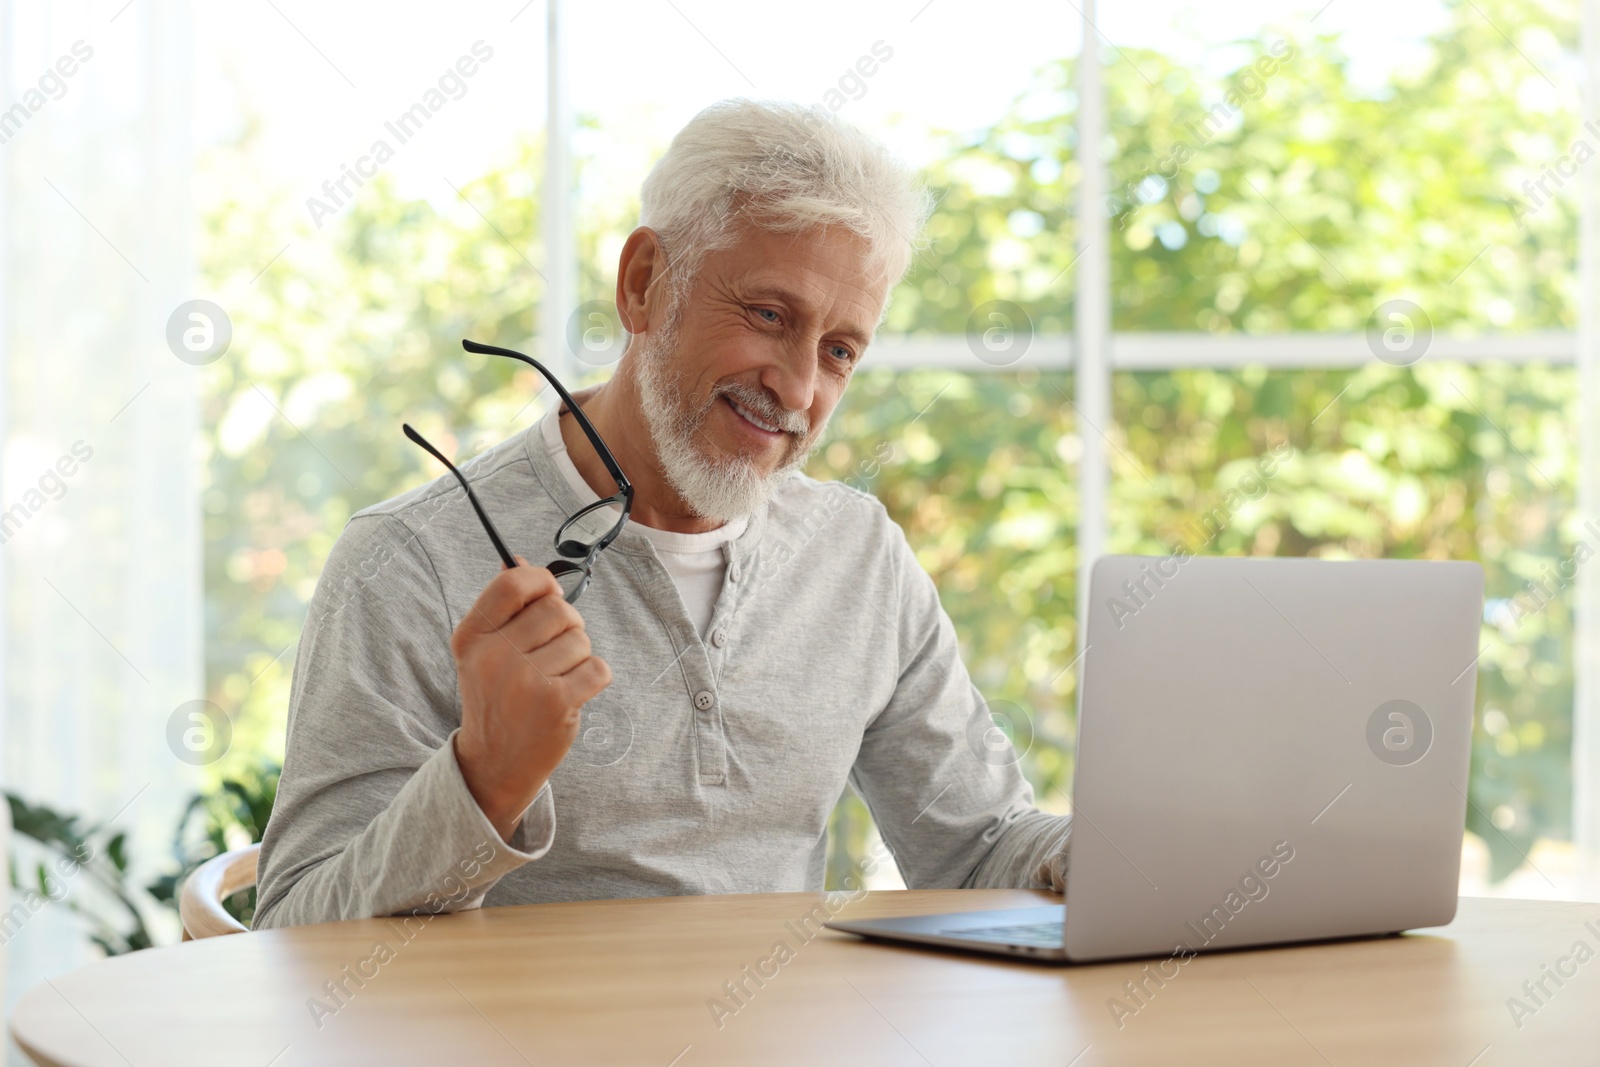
(696, 562)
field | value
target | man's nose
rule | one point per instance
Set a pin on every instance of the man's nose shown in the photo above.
(793, 379)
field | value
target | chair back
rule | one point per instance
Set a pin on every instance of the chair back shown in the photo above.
(200, 900)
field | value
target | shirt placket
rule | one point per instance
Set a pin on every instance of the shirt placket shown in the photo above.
(710, 722)
(696, 671)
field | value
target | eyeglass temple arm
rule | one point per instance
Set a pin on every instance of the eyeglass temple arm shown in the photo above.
(494, 535)
(577, 412)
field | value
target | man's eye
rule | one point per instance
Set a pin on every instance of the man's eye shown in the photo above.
(840, 352)
(767, 311)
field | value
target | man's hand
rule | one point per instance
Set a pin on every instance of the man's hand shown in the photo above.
(525, 672)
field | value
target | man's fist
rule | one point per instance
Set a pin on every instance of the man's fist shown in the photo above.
(525, 672)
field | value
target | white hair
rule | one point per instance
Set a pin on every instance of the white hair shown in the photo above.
(785, 168)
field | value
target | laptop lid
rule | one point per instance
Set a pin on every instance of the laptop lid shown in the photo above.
(1269, 750)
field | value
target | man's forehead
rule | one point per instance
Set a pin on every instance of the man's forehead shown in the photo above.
(827, 255)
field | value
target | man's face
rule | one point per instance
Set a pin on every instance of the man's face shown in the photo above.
(739, 389)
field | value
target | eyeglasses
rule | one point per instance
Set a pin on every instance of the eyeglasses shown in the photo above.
(586, 532)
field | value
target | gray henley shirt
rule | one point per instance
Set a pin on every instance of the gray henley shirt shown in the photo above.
(707, 766)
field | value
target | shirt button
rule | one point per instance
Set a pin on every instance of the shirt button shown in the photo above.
(733, 573)
(703, 700)
(719, 637)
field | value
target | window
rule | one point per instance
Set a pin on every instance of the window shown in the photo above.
(1273, 182)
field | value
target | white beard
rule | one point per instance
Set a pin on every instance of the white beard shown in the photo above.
(719, 487)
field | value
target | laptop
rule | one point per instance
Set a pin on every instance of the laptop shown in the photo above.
(1269, 751)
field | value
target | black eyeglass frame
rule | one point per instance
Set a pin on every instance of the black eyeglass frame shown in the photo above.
(573, 550)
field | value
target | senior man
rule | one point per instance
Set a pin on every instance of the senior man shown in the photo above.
(752, 643)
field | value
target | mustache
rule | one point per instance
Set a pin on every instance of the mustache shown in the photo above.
(765, 407)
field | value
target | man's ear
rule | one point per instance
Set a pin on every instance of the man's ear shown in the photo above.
(641, 280)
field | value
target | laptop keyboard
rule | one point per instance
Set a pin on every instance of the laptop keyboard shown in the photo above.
(1046, 935)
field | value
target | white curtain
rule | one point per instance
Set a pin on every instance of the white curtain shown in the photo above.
(100, 564)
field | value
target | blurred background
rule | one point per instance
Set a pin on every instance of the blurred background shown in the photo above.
(239, 244)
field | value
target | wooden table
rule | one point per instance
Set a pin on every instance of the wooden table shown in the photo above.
(641, 981)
